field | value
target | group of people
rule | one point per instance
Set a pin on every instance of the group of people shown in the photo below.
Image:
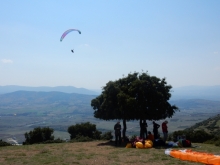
(145, 135)
(143, 131)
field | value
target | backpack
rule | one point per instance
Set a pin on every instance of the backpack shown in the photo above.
(186, 143)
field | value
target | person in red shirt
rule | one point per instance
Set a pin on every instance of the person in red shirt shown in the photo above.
(150, 136)
(164, 130)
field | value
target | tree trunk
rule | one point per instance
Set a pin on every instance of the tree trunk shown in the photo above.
(140, 128)
(124, 129)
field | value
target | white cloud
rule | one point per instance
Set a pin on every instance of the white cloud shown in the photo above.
(7, 61)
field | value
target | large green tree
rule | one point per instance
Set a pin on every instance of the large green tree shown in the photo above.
(137, 96)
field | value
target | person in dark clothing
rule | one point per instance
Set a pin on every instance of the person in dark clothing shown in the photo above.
(155, 129)
(143, 131)
(117, 129)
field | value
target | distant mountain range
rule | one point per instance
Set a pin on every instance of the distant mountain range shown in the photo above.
(187, 92)
(64, 89)
(82, 102)
(31, 100)
(196, 92)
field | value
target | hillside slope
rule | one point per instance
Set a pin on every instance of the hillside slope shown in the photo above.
(211, 125)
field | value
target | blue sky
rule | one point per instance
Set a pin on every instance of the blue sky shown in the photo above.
(179, 40)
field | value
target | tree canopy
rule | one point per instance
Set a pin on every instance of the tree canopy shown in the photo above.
(136, 96)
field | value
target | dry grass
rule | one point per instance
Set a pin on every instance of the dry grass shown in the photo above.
(90, 153)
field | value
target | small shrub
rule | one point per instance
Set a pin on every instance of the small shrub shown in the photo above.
(54, 141)
(38, 135)
(97, 135)
(2, 143)
(198, 136)
(215, 141)
(84, 129)
(80, 138)
(107, 136)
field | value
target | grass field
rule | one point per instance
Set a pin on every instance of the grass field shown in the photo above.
(92, 153)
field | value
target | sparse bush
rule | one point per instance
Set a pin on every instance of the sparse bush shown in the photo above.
(97, 135)
(107, 136)
(198, 136)
(215, 141)
(80, 138)
(54, 141)
(38, 135)
(2, 143)
(175, 134)
(84, 130)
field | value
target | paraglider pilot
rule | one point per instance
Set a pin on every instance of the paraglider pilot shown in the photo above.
(72, 50)
(117, 129)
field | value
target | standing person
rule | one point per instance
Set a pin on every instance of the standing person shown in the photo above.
(155, 129)
(143, 131)
(117, 129)
(165, 131)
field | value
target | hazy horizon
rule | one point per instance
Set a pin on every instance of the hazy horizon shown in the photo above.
(185, 92)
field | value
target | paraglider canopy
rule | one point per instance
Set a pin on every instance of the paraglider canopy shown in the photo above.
(68, 31)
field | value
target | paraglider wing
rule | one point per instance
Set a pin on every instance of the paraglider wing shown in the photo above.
(68, 31)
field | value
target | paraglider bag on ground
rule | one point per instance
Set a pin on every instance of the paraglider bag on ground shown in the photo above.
(158, 142)
(186, 143)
